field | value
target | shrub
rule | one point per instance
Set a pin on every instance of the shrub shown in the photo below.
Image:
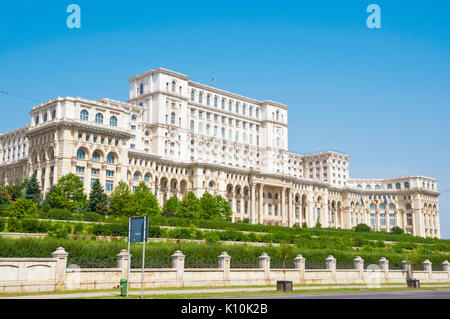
(397, 230)
(92, 217)
(60, 214)
(78, 228)
(60, 233)
(211, 238)
(2, 225)
(362, 228)
(304, 225)
(23, 208)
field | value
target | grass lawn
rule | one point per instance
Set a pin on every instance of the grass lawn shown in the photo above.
(259, 293)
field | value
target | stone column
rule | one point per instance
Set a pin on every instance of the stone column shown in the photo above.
(253, 217)
(331, 265)
(224, 263)
(264, 263)
(406, 267)
(283, 214)
(178, 264)
(446, 268)
(123, 259)
(290, 208)
(427, 266)
(261, 207)
(61, 264)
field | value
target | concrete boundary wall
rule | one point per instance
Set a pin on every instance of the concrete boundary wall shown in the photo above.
(25, 275)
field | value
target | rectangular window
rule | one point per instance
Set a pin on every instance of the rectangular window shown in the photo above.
(80, 169)
(109, 186)
(95, 171)
(109, 173)
(93, 181)
(392, 222)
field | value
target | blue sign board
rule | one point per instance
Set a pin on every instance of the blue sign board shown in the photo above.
(137, 229)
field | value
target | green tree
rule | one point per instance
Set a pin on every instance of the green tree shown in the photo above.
(69, 193)
(32, 190)
(224, 207)
(142, 202)
(397, 230)
(119, 199)
(210, 207)
(98, 199)
(284, 251)
(171, 207)
(4, 196)
(15, 191)
(362, 228)
(23, 208)
(189, 207)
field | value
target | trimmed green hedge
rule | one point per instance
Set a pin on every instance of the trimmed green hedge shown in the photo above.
(103, 254)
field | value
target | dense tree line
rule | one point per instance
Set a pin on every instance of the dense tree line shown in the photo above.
(67, 197)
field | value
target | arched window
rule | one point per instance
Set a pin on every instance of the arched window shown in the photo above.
(382, 207)
(276, 196)
(372, 206)
(359, 186)
(406, 185)
(96, 156)
(81, 154)
(230, 106)
(223, 132)
(99, 118)
(173, 86)
(391, 206)
(269, 195)
(110, 159)
(230, 135)
(408, 206)
(237, 107)
(257, 113)
(200, 128)
(207, 129)
(147, 178)
(377, 187)
(192, 96)
(45, 117)
(141, 89)
(200, 98)
(397, 186)
(215, 101)
(208, 100)
(192, 126)
(215, 131)
(133, 117)
(84, 115)
(250, 111)
(136, 176)
(368, 186)
(278, 115)
(244, 109)
(113, 121)
(389, 186)
(53, 114)
(223, 104)
(172, 118)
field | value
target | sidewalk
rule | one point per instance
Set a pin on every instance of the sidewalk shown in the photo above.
(196, 291)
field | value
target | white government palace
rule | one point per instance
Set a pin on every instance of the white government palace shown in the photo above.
(177, 135)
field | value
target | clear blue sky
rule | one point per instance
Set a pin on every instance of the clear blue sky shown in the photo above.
(381, 95)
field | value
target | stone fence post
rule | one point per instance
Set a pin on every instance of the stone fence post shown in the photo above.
(61, 265)
(427, 266)
(406, 267)
(446, 268)
(331, 265)
(359, 265)
(123, 260)
(224, 263)
(264, 263)
(384, 265)
(178, 263)
(299, 262)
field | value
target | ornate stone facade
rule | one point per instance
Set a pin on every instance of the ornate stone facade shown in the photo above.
(178, 136)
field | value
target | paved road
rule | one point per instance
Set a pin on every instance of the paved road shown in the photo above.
(409, 294)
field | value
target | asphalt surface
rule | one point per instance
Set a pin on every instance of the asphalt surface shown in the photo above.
(409, 294)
